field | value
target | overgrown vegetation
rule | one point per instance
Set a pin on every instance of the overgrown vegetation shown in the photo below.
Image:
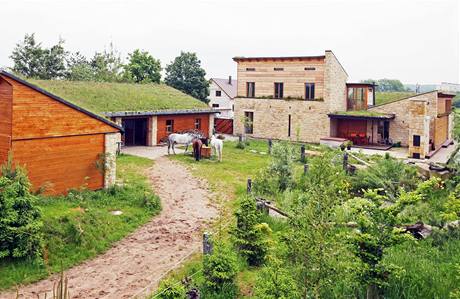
(391, 96)
(80, 225)
(345, 237)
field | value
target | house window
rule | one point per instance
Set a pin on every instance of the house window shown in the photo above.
(278, 69)
(198, 123)
(356, 94)
(248, 122)
(278, 90)
(309, 91)
(289, 125)
(215, 105)
(218, 93)
(233, 107)
(416, 140)
(416, 155)
(169, 126)
(250, 89)
(250, 69)
(309, 68)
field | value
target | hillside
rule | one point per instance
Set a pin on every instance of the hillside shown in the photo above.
(113, 97)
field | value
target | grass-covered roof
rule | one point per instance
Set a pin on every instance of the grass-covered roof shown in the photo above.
(102, 97)
(388, 97)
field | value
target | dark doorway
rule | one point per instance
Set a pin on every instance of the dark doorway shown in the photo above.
(135, 131)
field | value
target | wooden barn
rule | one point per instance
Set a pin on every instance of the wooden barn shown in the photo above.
(148, 113)
(59, 143)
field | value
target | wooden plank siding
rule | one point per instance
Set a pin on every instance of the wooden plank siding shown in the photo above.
(57, 142)
(181, 123)
(441, 130)
(61, 163)
(36, 115)
(6, 98)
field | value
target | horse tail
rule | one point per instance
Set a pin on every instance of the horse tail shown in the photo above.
(169, 144)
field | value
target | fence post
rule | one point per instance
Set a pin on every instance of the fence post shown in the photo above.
(305, 168)
(240, 138)
(270, 143)
(302, 153)
(249, 186)
(207, 243)
(345, 162)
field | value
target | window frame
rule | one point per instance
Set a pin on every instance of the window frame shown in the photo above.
(249, 129)
(250, 89)
(416, 140)
(215, 105)
(309, 91)
(218, 93)
(170, 127)
(197, 123)
(278, 92)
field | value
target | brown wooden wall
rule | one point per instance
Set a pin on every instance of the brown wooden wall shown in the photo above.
(36, 115)
(61, 163)
(181, 123)
(6, 98)
(58, 144)
(441, 130)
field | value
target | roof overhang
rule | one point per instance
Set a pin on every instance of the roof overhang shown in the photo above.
(287, 58)
(361, 84)
(361, 116)
(160, 112)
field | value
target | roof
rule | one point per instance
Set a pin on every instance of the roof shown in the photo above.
(403, 98)
(102, 97)
(361, 84)
(61, 100)
(160, 112)
(361, 114)
(229, 89)
(281, 58)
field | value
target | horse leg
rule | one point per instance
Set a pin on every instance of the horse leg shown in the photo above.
(169, 146)
(174, 151)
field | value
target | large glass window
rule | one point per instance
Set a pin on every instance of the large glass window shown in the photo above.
(169, 125)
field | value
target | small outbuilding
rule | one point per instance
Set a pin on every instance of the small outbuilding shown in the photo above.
(62, 145)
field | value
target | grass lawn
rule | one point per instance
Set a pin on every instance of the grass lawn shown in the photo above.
(387, 97)
(80, 226)
(111, 97)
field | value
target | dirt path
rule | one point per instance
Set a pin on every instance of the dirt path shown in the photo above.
(138, 261)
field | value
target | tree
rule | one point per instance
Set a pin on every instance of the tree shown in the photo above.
(79, 68)
(387, 85)
(220, 268)
(33, 61)
(316, 251)
(185, 73)
(251, 236)
(20, 218)
(143, 68)
(107, 66)
(376, 232)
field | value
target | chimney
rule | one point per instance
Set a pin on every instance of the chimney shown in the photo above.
(230, 80)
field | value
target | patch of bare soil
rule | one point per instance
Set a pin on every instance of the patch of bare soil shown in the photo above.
(135, 264)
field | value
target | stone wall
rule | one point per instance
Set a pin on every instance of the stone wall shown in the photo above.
(399, 126)
(111, 146)
(309, 120)
(335, 79)
(419, 124)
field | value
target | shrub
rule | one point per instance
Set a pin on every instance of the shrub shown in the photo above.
(170, 289)
(276, 282)
(251, 236)
(387, 174)
(220, 267)
(20, 218)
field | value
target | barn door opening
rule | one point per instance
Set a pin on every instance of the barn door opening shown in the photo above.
(135, 131)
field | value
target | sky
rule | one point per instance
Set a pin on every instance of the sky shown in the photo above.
(410, 40)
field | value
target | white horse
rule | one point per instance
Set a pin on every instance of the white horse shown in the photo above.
(174, 138)
(218, 146)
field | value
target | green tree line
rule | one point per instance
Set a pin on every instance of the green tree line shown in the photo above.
(33, 60)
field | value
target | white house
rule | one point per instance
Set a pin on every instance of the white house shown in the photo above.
(222, 93)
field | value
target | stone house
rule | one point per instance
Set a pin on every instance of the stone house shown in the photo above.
(307, 98)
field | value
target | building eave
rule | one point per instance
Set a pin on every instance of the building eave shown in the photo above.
(160, 112)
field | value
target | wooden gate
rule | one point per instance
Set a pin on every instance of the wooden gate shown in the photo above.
(223, 125)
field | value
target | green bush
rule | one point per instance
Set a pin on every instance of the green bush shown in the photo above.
(251, 236)
(20, 218)
(387, 174)
(171, 289)
(220, 267)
